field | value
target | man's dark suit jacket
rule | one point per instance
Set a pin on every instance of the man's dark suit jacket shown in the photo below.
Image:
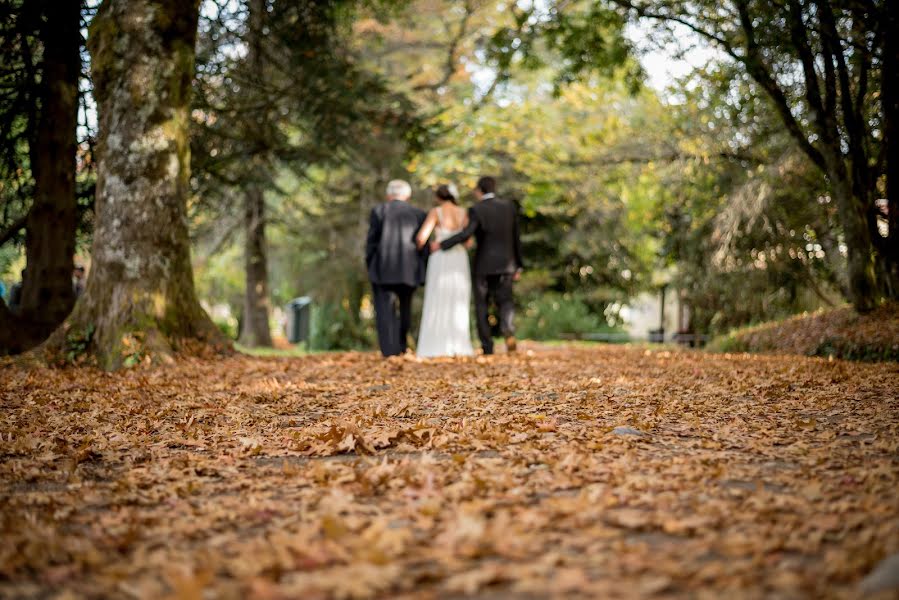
(390, 252)
(494, 223)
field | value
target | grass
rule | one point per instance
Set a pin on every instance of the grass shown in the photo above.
(290, 352)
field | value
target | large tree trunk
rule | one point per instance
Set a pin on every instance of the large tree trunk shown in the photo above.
(47, 295)
(853, 211)
(255, 331)
(890, 107)
(140, 299)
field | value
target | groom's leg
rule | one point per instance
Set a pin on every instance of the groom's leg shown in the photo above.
(404, 293)
(386, 319)
(481, 291)
(505, 302)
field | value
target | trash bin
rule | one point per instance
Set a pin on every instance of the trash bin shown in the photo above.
(299, 317)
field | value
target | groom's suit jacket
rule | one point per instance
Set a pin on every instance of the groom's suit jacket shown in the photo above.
(390, 252)
(494, 223)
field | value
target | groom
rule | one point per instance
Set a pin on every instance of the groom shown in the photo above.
(395, 265)
(497, 262)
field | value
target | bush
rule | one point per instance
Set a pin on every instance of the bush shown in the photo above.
(228, 327)
(333, 328)
(552, 315)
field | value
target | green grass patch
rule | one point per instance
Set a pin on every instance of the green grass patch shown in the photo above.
(292, 352)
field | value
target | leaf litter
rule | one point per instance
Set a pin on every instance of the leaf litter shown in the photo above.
(560, 472)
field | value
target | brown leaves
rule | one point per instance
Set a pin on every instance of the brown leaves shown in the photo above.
(348, 438)
(838, 332)
(628, 518)
(590, 472)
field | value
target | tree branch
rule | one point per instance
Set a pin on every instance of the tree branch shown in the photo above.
(13, 229)
(801, 42)
(752, 60)
(854, 122)
(757, 69)
(643, 11)
(450, 66)
(221, 240)
(671, 156)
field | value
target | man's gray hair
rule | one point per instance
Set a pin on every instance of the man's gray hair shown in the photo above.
(399, 189)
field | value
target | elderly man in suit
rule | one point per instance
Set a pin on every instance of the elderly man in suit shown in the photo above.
(395, 265)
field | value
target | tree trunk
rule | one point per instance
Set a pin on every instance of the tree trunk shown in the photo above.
(890, 107)
(853, 212)
(47, 295)
(140, 299)
(255, 332)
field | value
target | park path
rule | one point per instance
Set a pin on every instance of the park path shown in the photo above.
(601, 471)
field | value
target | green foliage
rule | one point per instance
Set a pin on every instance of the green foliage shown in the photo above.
(574, 163)
(10, 258)
(228, 327)
(219, 277)
(552, 315)
(304, 101)
(77, 343)
(745, 223)
(21, 73)
(576, 39)
(334, 327)
(133, 348)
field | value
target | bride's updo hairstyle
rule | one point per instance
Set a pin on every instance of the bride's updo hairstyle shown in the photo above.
(447, 193)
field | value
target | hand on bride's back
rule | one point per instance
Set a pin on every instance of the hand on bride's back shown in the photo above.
(435, 246)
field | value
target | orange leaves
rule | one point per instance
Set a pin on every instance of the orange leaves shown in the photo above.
(348, 438)
(588, 472)
(628, 518)
(838, 332)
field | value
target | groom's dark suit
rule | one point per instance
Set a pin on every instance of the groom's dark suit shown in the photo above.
(395, 268)
(494, 223)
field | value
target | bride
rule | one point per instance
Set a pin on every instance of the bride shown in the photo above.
(444, 327)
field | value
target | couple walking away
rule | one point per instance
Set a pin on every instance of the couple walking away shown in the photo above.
(400, 258)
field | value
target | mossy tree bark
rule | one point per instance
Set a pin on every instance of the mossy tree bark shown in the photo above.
(47, 295)
(140, 299)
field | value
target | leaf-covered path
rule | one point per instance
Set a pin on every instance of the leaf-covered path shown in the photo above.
(600, 472)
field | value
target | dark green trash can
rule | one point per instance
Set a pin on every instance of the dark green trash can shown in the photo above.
(299, 318)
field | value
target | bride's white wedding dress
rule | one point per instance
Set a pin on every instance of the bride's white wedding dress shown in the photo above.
(444, 321)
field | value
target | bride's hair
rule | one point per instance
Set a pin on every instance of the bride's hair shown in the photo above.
(448, 192)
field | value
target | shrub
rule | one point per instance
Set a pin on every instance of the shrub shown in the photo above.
(228, 327)
(334, 328)
(552, 315)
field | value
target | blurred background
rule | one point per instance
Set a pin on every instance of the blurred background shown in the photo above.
(662, 195)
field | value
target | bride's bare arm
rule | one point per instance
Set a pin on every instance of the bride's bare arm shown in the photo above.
(426, 229)
(470, 241)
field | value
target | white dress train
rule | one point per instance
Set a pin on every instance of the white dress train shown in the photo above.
(444, 327)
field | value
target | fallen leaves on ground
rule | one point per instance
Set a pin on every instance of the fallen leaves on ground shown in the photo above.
(566, 472)
(836, 332)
